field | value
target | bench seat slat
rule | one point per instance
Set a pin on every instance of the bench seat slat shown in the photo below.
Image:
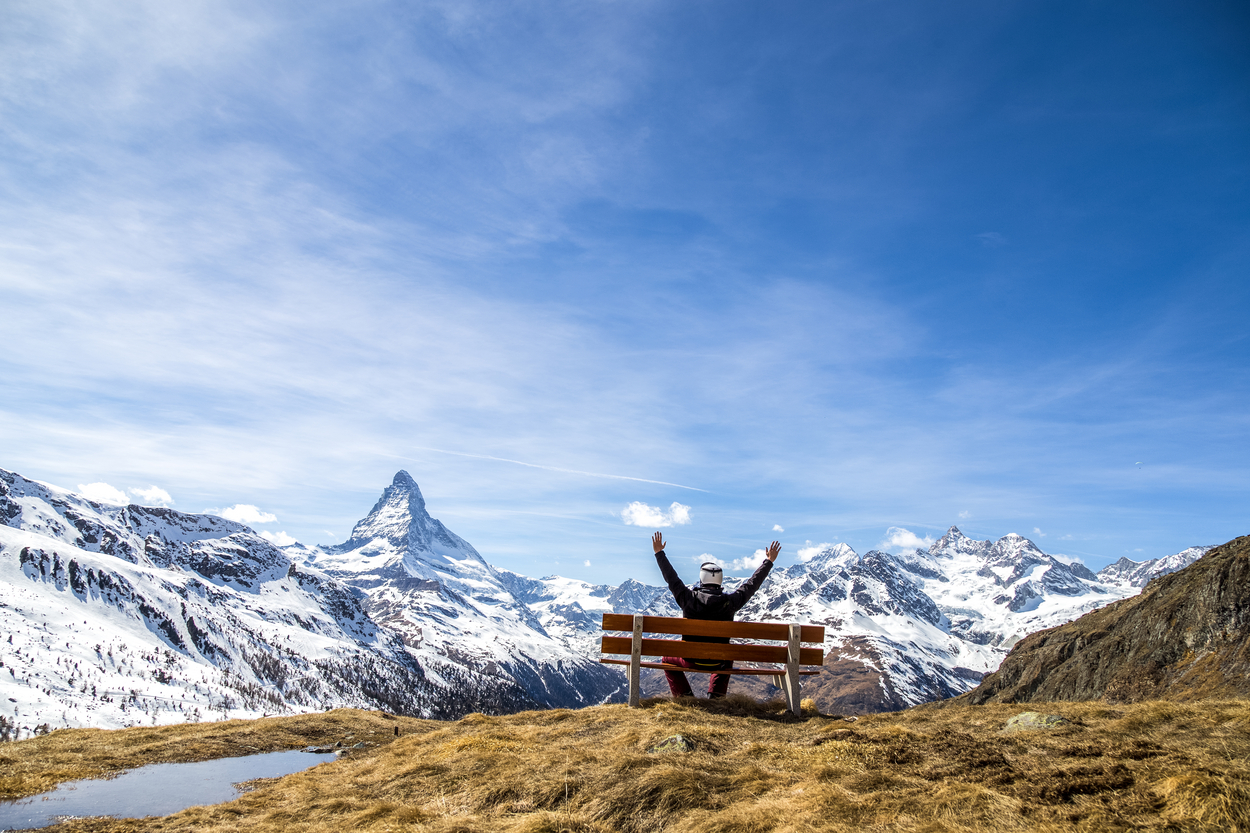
(762, 672)
(705, 627)
(710, 650)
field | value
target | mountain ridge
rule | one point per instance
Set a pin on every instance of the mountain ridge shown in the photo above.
(1186, 636)
(406, 615)
(186, 616)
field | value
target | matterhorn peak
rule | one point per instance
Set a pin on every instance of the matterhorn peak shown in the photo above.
(393, 518)
(403, 484)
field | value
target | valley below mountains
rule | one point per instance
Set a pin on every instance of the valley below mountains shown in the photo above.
(129, 615)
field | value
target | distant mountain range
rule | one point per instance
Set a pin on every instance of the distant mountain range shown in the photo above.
(900, 629)
(1185, 637)
(119, 616)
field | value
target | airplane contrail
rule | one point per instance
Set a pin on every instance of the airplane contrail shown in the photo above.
(554, 468)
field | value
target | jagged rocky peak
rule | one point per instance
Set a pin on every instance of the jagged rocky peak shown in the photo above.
(1014, 545)
(392, 518)
(1139, 573)
(632, 596)
(1012, 548)
(954, 542)
(398, 536)
(821, 565)
(402, 483)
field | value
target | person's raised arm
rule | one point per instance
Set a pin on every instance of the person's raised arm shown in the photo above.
(747, 589)
(676, 587)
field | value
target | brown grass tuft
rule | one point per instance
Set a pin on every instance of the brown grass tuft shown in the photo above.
(1207, 802)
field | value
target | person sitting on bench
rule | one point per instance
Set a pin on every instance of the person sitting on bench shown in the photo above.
(706, 600)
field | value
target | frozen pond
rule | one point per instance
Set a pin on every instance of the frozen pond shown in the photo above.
(156, 790)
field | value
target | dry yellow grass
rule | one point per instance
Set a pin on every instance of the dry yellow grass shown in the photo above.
(1150, 766)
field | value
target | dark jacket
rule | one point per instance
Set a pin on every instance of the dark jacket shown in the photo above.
(709, 601)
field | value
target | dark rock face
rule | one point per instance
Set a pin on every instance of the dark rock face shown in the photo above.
(1187, 636)
(633, 595)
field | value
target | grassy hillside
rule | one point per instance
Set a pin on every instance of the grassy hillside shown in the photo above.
(1149, 766)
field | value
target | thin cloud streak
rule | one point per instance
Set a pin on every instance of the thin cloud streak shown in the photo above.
(553, 468)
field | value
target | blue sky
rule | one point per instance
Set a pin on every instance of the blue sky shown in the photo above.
(855, 270)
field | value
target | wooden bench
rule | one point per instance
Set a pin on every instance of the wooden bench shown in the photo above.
(791, 655)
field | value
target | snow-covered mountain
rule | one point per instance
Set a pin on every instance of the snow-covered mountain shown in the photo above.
(997, 592)
(116, 615)
(928, 624)
(1128, 573)
(901, 629)
(166, 616)
(432, 588)
(122, 615)
(572, 610)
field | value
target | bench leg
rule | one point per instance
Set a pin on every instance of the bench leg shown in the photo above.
(791, 679)
(635, 665)
(791, 692)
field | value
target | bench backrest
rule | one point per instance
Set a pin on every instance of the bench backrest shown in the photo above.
(668, 625)
(792, 654)
(707, 627)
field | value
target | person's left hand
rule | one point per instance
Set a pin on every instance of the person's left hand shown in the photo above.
(774, 550)
(657, 542)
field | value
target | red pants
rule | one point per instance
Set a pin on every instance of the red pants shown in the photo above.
(717, 686)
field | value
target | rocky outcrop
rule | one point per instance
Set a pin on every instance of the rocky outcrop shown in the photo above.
(1187, 636)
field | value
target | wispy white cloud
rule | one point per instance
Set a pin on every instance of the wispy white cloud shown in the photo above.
(152, 496)
(278, 539)
(1038, 533)
(810, 551)
(749, 563)
(638, 513)
(103, 493)
(562, 471)
(899, 539)
(245, 513)
(777, 528)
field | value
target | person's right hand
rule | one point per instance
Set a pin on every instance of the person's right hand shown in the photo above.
(774, 550)
(657, 542)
